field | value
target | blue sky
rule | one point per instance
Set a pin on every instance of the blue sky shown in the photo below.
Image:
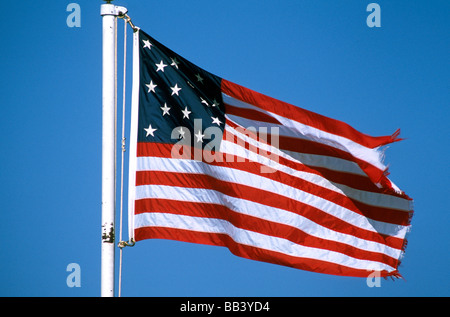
(319, 55)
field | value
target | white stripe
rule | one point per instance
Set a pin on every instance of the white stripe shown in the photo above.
(299, 130)
(370, 198)
(253, 239)
(261, 211)
(256, 181)
(329, 162)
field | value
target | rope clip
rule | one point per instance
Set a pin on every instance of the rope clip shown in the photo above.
(128, 20)
(123, 244)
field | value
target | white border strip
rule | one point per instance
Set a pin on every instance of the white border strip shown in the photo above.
(133, 136)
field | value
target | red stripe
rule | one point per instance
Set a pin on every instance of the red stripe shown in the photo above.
(309, 147)
(374, 174)
(251, 223)
(373, 212)
(250, 114)
(304, 116)
(249, 252)
(263, 197)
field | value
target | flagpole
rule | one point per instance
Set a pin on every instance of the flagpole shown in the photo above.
(109, 12)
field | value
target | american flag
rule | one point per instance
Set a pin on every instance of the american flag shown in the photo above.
(216, 163)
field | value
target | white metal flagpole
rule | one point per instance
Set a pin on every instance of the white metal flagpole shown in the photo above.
(109, 12)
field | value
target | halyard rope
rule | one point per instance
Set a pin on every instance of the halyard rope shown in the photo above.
(121, 243)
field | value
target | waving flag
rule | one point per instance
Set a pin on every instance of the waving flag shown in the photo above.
(216, 163)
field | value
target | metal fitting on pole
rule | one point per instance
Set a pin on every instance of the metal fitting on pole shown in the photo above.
(110, 9)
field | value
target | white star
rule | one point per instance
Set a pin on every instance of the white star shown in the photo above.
(199, 78)
(216, 121)
(147, 44)
(204, 101)
(150, 130)
(151, 86)
(199, 136)
(165, 109)
(174, 62)
(160, 66)
(215, 103)
(186, 113)
(175, 90)
(182, 132)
